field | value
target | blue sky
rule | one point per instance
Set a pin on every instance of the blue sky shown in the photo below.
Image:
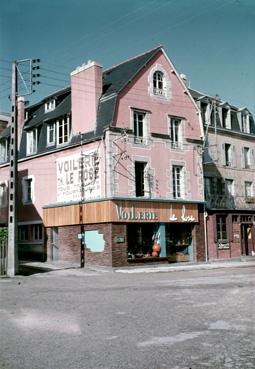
(211, 41)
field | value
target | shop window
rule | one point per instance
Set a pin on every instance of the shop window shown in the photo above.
(36, 232)
(235, 218)
(139, 178)
(221, 225)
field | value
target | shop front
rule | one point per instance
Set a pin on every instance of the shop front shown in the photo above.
(123, 231)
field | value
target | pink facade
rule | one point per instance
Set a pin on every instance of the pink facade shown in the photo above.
(150, 150)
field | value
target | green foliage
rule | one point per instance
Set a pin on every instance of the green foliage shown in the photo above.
(3, 233)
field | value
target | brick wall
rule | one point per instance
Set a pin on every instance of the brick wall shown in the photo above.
(119, 250)
(198, 236)
(69, 244)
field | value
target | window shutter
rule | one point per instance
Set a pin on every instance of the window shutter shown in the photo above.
(242, 158)
(252, 158)
(223, 156)
(233, 156)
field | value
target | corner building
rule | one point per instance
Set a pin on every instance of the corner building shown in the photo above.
(113, 164)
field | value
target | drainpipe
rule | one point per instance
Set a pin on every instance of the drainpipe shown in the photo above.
(206, 240)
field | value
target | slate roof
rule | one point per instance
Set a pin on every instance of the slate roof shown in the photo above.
(235, 127)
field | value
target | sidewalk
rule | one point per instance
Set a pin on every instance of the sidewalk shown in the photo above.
(40, 267)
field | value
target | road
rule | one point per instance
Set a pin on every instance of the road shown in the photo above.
(77, 319)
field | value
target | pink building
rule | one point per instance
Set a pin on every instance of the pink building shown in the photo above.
(110, 168)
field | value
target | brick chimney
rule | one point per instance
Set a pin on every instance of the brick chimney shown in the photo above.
(20, 118)
(86, 89)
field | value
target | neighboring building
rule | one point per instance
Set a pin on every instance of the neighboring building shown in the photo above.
(229, 177)
(118, 156)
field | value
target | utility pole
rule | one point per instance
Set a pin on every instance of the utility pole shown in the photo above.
(23, 69)
(12, 258)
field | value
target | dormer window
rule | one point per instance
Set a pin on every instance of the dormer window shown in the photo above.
(32, 142)
(50, 105)
(158, 83)
(225, 116)
(63, 130)
(245, 123)
(51, 134)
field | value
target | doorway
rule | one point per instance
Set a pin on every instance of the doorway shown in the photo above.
(54, 244)
(246, 238)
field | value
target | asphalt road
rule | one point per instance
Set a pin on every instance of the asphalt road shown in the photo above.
(89, 320)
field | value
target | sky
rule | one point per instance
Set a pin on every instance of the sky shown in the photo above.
(211, 41)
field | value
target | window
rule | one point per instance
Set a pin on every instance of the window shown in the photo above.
(158, 83)
(50, 105)
(175, 133)
(51, 134)
(246, 157)
(221, 225)
(228, 151)
(248, 189)
(4, 150)
(245, 123)
(229, 187)
(63, 130)
(23, 233)
(32, 142)
(36, 232)
(28, 190)
(139, 178)
(226, 118)
(178, 182)
(139, 120)
(205, 112)
(209, 187)
(3, 194)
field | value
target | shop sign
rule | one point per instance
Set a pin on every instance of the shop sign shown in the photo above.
(77, 176)
(134, 214)
(185, 217)
(223, 246)
(120, 239)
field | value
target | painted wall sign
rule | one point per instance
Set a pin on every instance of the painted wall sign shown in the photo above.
(77, 177)
(134, 214)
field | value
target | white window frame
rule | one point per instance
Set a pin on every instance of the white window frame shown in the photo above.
(60, 125)
(3, 194)
(175, 132)
(248, 189)
(178, 181)
(245, 122)
(228, 117)
(32, 141)
(230, 186)
(156, 90)
(158, 83)
(246, 157)
(49, 105)
(138, 126)
(28, 192)
(4, 150)
(51, 129)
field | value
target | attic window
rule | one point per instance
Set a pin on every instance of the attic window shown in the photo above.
(159, 83)
(50, 105)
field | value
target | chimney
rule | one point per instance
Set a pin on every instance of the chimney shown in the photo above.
(20, 118)
(86, 89)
